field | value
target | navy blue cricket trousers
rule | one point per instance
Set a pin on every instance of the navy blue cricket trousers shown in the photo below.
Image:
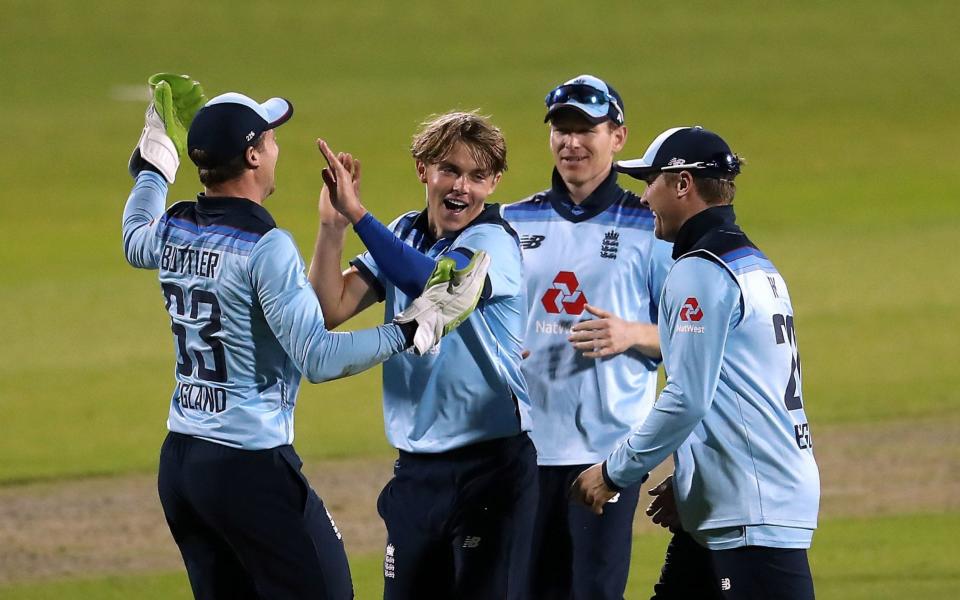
(248, 524)
(692, 572)
(578, 555)
(459, 523)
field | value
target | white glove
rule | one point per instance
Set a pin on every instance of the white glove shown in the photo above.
(449, 297)
(155, 147)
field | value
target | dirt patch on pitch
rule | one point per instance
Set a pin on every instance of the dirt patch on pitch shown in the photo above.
(115, 525)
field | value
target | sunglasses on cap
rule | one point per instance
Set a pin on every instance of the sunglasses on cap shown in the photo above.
(581, 94)
(724, 162)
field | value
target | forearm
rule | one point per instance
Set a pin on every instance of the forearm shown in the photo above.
(673, 418)
(330, 355)
(646, 339)
(144, 205)
(405, 266)
(325, 276)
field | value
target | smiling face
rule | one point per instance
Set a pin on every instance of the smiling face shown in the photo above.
(457, 187)
(583, 152)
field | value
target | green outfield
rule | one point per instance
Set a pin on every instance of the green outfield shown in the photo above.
(908, 556)
(847, 113)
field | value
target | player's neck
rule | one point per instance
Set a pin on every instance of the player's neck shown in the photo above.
(580, 192)
(241, 187)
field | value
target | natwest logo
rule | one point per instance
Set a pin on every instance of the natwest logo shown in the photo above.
(565, 295)
(691, 310)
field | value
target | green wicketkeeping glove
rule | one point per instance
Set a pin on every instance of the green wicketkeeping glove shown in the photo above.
(447, 300)
(177, 99)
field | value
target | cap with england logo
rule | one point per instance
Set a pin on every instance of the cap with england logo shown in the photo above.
(701, 152)
(228, 124)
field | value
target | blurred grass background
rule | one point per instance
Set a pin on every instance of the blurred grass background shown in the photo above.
(846, 111)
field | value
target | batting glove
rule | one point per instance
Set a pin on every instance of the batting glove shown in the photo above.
(176, 99)
(449, 297)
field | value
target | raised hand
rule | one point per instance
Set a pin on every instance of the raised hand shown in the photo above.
(330, 216)
(341, 179)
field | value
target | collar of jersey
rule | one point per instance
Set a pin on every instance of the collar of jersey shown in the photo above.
(222, 205)
(489, 214)
(697, 226)
(600, 200)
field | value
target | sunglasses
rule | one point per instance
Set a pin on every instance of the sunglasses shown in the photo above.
(582, 94)
(725, 161)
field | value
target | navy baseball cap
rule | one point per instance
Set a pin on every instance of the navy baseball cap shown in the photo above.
(231, 122)
(591, 96)
(693, 149)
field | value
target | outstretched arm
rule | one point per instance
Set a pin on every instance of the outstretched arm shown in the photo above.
(293, 314)
(341, 294)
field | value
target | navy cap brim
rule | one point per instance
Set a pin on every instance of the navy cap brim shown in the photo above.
(580, 108)
(637, 168)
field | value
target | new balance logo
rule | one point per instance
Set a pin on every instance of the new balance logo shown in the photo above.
(471, 541)
(725, 584)
(610, 245)
(531, 241)
(773, 286)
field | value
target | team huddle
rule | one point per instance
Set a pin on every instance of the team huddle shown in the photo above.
(520, 348)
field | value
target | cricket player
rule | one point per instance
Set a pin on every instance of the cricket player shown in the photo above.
(459, 509)
(593, 271)
(746, 484)
(247, 326)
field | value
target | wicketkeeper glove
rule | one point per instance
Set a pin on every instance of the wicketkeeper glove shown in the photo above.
(449, 297)
(176, 99)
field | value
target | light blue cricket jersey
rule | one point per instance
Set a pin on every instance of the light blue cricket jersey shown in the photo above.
(246, 322)
(732, 410)
(602, 252)
(469, 388)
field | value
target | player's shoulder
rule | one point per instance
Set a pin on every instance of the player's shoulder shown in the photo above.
(726, 245)
(405, 222)
(630, 212)
(491, 222)
(234, 217)
(527, 206)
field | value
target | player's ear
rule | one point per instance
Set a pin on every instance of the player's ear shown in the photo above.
(421, 171)
(494, 181)
(619, 137)
(252, 157)
(684, 183)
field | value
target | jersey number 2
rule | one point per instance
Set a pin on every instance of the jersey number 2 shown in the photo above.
(173, 292)
(783, 329)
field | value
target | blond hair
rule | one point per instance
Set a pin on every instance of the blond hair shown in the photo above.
(438, 135)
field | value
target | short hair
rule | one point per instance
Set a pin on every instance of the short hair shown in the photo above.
(229, 170)
(713, 190)
(437, 136)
